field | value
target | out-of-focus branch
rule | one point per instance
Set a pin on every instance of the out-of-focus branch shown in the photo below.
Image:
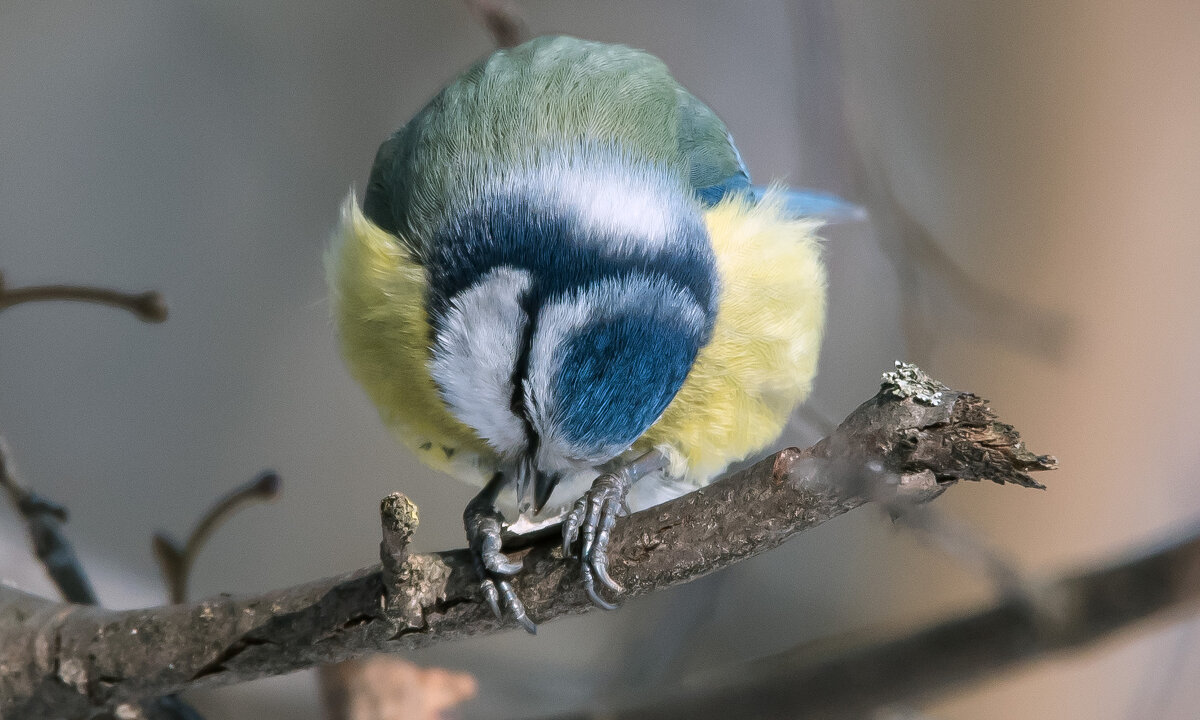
(44, 520)
(924, 434)
(176, 566)
(386, 687)
(936, 289)
(834, 679)
(503, 19)
(176, 562)
(147, 306)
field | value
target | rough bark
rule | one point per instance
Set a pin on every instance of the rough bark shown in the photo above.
(907, 443)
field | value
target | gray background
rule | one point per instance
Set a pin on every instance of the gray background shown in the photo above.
(203, 149)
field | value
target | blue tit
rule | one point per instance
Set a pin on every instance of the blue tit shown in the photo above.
(561, 276)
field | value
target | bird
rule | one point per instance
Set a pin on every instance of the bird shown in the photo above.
(561, 280)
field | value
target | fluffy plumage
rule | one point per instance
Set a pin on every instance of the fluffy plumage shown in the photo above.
(560, 261)
(762, 357)
(759, 363)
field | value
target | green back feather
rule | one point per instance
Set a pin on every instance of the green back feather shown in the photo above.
(559, 96)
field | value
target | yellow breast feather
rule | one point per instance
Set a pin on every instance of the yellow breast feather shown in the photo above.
(379, 306)
(762, 357)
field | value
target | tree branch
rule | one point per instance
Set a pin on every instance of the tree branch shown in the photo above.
(71, 660)
(847, 678)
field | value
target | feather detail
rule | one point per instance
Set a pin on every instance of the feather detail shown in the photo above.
(762, 358)
(379, 306)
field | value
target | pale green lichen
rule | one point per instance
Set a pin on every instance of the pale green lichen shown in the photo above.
(909, 381)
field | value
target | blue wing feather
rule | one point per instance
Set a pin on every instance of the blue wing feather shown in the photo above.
(816, 204)
(716, 168)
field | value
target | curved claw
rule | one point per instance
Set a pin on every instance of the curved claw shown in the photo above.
(491, 564)
(497, 562)
(571, 525)
(595, 505)
(518, 609)
(599, 558)
(589, 586)
(592, 519)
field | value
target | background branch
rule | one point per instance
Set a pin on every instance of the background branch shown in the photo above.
(176, 562)
(92, 658)
(147, 306)
(847, 678)
(44, 520)
(503, 19)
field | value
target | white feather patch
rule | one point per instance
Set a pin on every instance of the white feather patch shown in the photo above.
(628, 207)
(474, 355)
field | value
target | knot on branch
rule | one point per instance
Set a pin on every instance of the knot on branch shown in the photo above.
(400, 518)
(410, 582)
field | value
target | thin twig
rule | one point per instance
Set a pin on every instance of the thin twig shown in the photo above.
(100, 658)
(147, 306)
(44, 520)
(176, 563)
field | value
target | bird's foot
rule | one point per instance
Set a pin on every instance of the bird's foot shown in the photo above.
(483, 524)
(592, 518)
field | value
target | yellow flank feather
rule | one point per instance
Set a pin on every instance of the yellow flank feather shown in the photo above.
(379, 307)
(763, 355)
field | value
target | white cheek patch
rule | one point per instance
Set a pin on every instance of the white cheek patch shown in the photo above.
(474, 355)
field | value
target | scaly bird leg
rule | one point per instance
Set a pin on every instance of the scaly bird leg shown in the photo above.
(593, 518)
(483, 523)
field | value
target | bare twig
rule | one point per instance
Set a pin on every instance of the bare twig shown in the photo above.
(399, 518)
(176, 562)
(846, 678)
(44, 520)
(147, 306)
(94, 658)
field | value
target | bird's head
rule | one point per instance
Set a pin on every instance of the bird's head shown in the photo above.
(567, 310)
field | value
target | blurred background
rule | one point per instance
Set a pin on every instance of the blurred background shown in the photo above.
(1035, 173)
